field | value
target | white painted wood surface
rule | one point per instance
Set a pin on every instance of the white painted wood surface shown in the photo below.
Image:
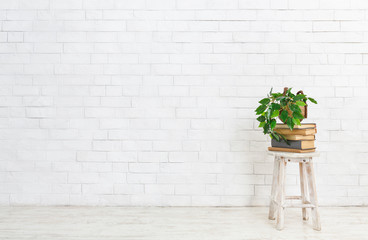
(179, 223)
(281, 194)
(303, 189)
(293, 155)
(313, 195)
(307, 184)
(272, 210)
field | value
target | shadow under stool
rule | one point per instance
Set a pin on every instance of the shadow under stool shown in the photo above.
(307, 187)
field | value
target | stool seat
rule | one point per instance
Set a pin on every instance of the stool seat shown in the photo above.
(293, 155)
(307, 184)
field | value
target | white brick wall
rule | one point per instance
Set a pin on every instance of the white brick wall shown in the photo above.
(150, 102)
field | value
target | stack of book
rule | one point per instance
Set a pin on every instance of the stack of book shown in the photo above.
(301, 138)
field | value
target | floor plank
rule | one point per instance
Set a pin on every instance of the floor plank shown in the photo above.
(112, 223)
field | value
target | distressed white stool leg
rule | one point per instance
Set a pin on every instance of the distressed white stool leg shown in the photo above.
(272, 210)
(313, 195)
(303, 188)
(281, 194)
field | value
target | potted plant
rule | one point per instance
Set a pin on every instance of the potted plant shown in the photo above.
(290, 108)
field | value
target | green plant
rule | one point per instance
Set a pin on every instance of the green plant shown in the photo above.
(286, 106)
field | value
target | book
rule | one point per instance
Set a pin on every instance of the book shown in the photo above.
(298, 144)
(300, 137)
(303, 126)
(291, 150)
(303, 132)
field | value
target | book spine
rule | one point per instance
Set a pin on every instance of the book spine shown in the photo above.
(303, 126)
(291, 150)
(300, 137)
(294, 144)
(296, 131)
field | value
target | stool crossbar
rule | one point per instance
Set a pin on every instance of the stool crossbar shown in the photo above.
(308, 199)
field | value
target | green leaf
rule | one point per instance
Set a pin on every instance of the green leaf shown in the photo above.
(284, 115)
(284, 138)
(300, 103)
(280, 97)
(271, 135)
(268, 113)
(288, 91)
(290, 123)
(295, 108)
(283, 102)
(273, 124)
(265, 101)
(298, 115)
(276, 95)
(275, 114)
(275, 106)
(312, 100)
(296, 121)
(299, 97)
(266, 127)
(260, 109)
(275, 136)
(261, 124)
(261, 118)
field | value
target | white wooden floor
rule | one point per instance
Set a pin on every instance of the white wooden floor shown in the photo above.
(106, 223)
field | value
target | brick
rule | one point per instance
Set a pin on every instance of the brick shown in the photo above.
(137, 145)
(162, 189)
(166, 146)
(128, 189)
(40, 112)
(239, 190)
(21, 14)
(299, 4)
(249, 4)
(91, 156)
(161, 4)
(141, 178)
(3, 37)
(38, 4)
(143, 167)
(9, 4)
(15, 37)
(207, 124)
(183, 157)
(16, 26)
(206, 200)
(219, 4)
(243, 168)
(192, 4)
(189, 189)
(97, 188)
(26, 90)
(326, 26)
(48, 48)
(173, 91)
(190, 113)
(66, 4)
(71, 37)
(79, 177)
(96, 4)
(127, 4)
(106, 146)
(344, 92)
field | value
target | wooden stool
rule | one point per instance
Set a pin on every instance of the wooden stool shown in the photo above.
(307, 184)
